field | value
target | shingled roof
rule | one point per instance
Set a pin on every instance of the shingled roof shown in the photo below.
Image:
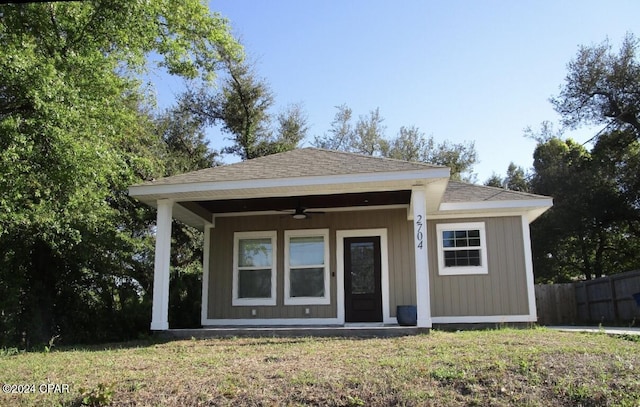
(304, 162)
(464, 192)
(319, 172)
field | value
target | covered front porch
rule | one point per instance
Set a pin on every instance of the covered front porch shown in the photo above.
(325, 203)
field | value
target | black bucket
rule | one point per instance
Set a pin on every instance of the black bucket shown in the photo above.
(407, 315)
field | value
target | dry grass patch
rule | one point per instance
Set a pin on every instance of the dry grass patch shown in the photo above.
(504, 367)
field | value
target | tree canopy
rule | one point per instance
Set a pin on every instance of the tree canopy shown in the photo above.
(76, 129)
(242, 109)
(593, 227)
(368, 136)
(516, 179)
(602, 87)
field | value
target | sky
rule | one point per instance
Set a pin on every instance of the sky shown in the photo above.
(479, 71)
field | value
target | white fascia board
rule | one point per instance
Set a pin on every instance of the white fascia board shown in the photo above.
(454, 216)
(523, 204)
(142, 190)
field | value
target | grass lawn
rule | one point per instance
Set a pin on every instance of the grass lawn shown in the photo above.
(532, 367)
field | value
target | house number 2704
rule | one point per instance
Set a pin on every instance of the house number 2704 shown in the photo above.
(419, 233)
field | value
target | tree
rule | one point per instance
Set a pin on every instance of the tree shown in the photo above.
(368, 137)
(410, 145)
(413, 145)
(76, 131)
(515, 180)
(495, 181)
(459, 157)
(292, 127)
(556, 236)
(242, 109)
(184, 140)
(592, 229)
(340, 133)
(602, 87)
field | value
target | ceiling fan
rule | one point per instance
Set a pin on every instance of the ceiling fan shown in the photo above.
(301, 212)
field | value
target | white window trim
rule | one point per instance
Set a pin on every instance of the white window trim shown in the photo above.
(464, 270)
(273, 235)
(326, 299)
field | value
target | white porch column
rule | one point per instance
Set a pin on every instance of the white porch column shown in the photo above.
(423, 295)
(205, 273)
(160, 312)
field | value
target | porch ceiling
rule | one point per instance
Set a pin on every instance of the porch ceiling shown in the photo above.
(196, 213)
(196, 204)
(307, 202)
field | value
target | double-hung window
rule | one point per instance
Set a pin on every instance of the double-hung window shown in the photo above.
(306, 263)
(254, 268)
(462, 248)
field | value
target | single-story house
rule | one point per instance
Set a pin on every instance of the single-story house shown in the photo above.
(320, 237)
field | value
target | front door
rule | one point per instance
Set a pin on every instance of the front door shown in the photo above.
(362, 282)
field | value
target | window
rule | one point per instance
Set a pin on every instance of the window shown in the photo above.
(462, 248)
(254, 268)
(306, 259)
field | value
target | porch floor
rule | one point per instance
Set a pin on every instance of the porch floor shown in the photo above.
(366, 331)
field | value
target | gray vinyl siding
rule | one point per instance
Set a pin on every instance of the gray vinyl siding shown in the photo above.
(401, 260)
(503, 291)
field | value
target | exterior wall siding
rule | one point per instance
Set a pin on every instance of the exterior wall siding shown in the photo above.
(401, 260)
(503, 291)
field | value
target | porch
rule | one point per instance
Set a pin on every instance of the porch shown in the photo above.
(273, 201)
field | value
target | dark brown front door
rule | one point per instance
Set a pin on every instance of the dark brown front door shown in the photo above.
(362, 283)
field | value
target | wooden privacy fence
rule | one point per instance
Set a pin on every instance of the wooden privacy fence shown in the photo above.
(603, 300)
(556, 304)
